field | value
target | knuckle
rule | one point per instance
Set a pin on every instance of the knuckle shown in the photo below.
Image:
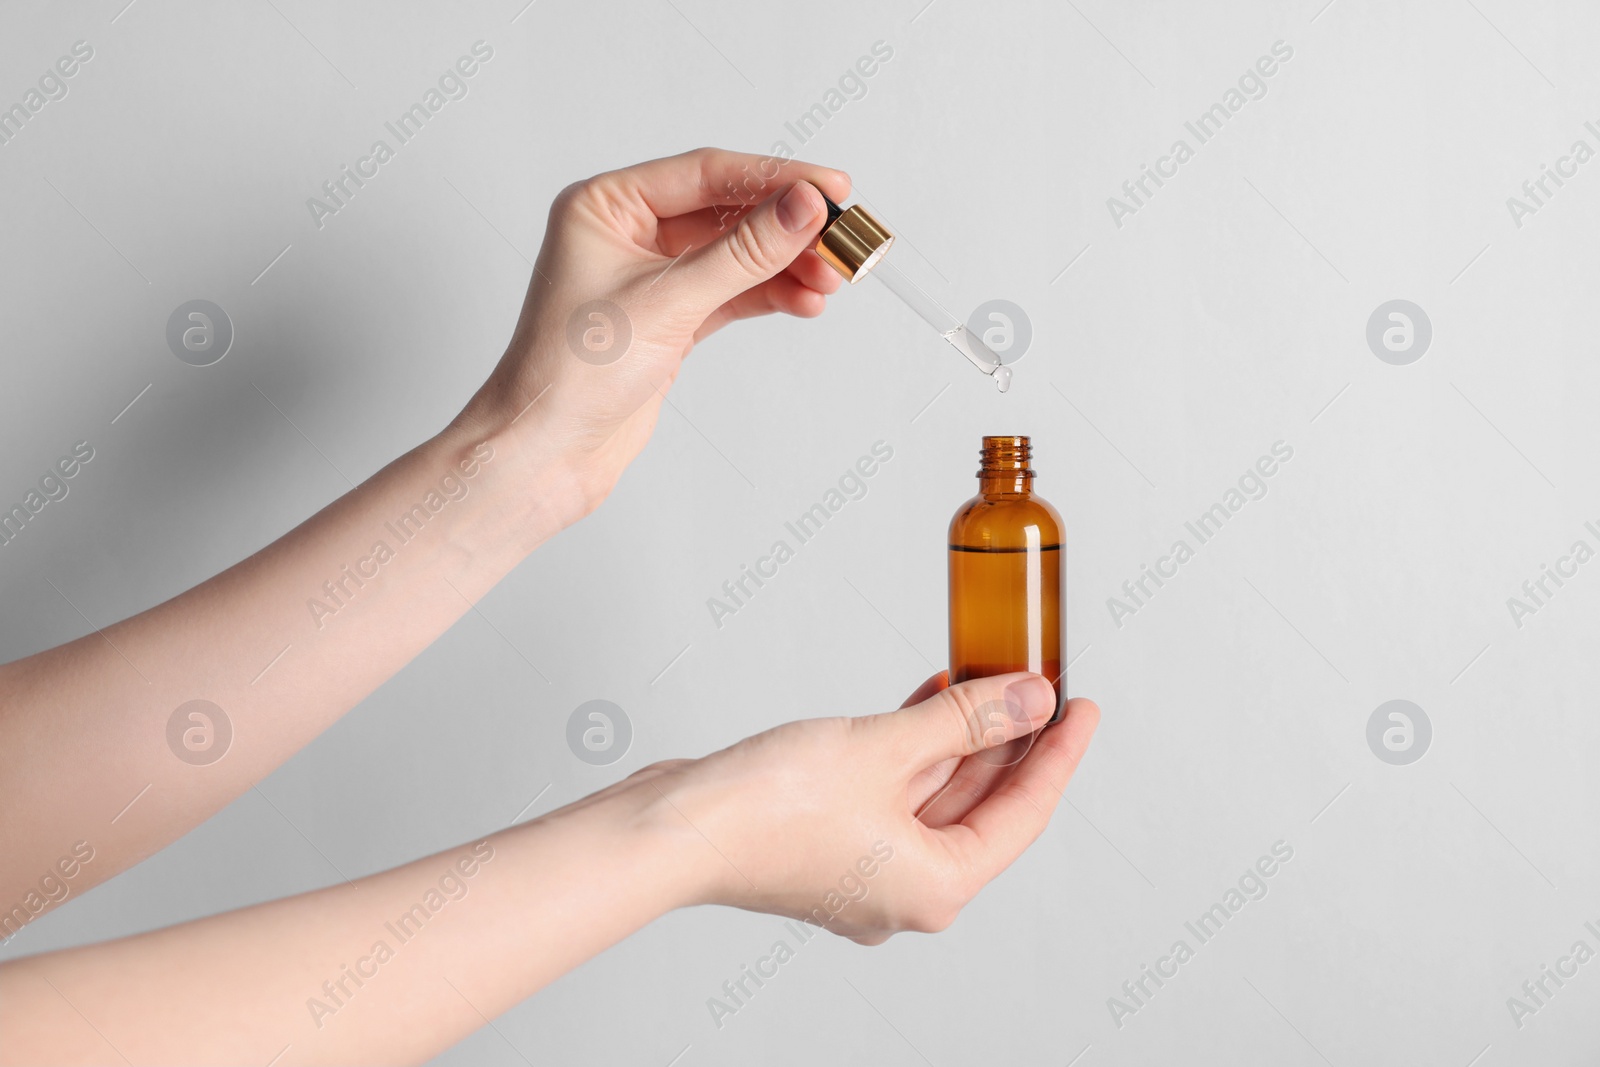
(968, 791)
(704, 160)
(934, 908)
(573, 190)
(659, 767)
(963, 713)
(748, 250)
(1035, 800)
(567, 199)
(932, 917)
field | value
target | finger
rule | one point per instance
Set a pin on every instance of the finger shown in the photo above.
(765, 241)
(782, 293)
(677, 235)
(978, 714)
(926, 783)
(995, 832)
(966, 786)
(680, 233)
(935, 682)
(706, 177)
(809, 270)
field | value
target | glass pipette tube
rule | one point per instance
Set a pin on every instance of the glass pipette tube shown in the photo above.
(950, 328)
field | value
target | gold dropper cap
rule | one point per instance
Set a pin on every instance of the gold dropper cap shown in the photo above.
(852, 241)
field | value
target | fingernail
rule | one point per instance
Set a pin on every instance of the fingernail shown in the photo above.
(1035, 696)
(799, 206)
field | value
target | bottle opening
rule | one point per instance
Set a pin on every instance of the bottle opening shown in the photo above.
(1008, 454)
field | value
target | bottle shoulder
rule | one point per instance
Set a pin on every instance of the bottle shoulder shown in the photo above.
(1005, 521)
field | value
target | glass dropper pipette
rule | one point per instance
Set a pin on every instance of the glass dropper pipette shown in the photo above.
(950, 328)
(853, 243)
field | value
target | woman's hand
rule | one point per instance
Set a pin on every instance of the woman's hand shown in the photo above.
(637, 265)
(874, 825)
(865, 826)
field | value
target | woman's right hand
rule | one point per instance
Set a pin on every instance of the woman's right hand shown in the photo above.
(637, 266)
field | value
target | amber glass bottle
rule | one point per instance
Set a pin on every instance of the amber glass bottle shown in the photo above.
(1006, 565)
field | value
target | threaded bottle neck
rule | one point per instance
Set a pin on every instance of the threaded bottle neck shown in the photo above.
(1003, 465)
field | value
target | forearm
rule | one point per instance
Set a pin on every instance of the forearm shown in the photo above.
(394, 968)
(283, 643)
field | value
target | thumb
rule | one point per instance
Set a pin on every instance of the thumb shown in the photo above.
(764, 242)
(968, 718)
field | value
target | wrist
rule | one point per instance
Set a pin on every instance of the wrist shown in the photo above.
(531, 488)
(662, 852)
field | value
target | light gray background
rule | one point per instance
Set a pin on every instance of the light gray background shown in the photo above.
(1228, 314)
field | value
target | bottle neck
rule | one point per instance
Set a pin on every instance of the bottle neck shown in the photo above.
(1003, 467)
(1005, 483)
